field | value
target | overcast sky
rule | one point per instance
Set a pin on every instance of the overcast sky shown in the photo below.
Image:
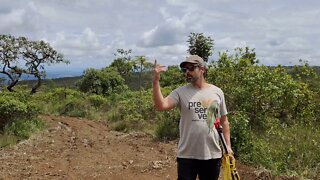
(88, 32)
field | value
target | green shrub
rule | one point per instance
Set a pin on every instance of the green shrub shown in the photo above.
(241, 134)
(168, 126)
(104, 82)
(74, 108)
(133, 108)
(18, 117)
(14, 107)
(56, 100)
(23, 129)
(97, 101)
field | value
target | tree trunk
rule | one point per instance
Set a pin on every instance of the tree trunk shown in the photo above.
(12, 84)
(34, 88)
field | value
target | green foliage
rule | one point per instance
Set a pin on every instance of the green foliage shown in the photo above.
(303, 71)
(14, 107)
(123, 63)
(97, 101)
(18, 117)
(19, 130)
(168, 125)
(273, 116)
(69, 102)
(288, 150)
(172, 76)
(7, 140)
(132, 109)
(241, 134)
(260, 91)
(21, 56)
(200, 45)
(23, 129)
(103, 82)
(307, 74)
(74, 108)
(136, 81)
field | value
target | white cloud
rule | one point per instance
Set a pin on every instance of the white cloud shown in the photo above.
(168, 33)
(20, 21)
(88, 32)
(85, 43)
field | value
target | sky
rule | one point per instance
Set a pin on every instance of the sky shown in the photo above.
(88, 32)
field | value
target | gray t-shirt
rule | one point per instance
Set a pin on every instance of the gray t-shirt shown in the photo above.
(198, 109)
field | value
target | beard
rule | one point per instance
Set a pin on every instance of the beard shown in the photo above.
(191, 79)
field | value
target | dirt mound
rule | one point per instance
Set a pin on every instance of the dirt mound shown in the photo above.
(73, 148)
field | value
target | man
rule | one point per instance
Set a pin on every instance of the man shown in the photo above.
(200, 103)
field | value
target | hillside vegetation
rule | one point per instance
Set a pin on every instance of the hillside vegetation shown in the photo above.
(273, 111)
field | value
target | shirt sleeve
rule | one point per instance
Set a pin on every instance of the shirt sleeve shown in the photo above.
(174, 95)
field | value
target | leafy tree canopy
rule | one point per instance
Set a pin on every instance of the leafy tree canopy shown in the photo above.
(102, 82)
(21, 56)
(200, 45)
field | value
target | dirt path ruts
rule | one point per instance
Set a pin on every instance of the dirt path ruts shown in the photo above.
(73, 148)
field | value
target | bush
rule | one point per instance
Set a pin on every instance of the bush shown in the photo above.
(241, 135)
(168, 125)
(104, 82)
(74, 108)
(14, 107)
(18, 117)
(131, 108)
(23, 129)
(97, 101)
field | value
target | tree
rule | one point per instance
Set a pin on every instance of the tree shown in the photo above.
(200, 45)
(240, 59)
(20, 56)
(102, 82)
(9, 56)
(172, 77)
(37, 54)
(1, 82)
(259, 91)
(123, 62)
(141, 65)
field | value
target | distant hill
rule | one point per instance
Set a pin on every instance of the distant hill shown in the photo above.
(60, 82)
(133, 81)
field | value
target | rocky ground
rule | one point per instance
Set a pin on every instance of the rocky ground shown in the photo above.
(73, 148)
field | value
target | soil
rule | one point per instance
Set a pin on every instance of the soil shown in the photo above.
(74, 148)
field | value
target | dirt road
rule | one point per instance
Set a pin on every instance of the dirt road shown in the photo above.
(73, 148)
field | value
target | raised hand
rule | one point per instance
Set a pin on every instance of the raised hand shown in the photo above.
(157, 69)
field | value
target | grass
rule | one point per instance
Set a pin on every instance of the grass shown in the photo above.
(289, 150)
(7, 140)
(19, 130)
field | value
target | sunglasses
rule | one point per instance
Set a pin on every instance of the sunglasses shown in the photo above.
(189, 68)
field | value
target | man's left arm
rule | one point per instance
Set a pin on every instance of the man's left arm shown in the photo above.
(226, 132)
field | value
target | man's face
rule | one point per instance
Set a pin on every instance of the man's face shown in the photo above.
(191, 72)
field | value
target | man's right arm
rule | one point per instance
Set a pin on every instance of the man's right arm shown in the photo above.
(161, 103)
